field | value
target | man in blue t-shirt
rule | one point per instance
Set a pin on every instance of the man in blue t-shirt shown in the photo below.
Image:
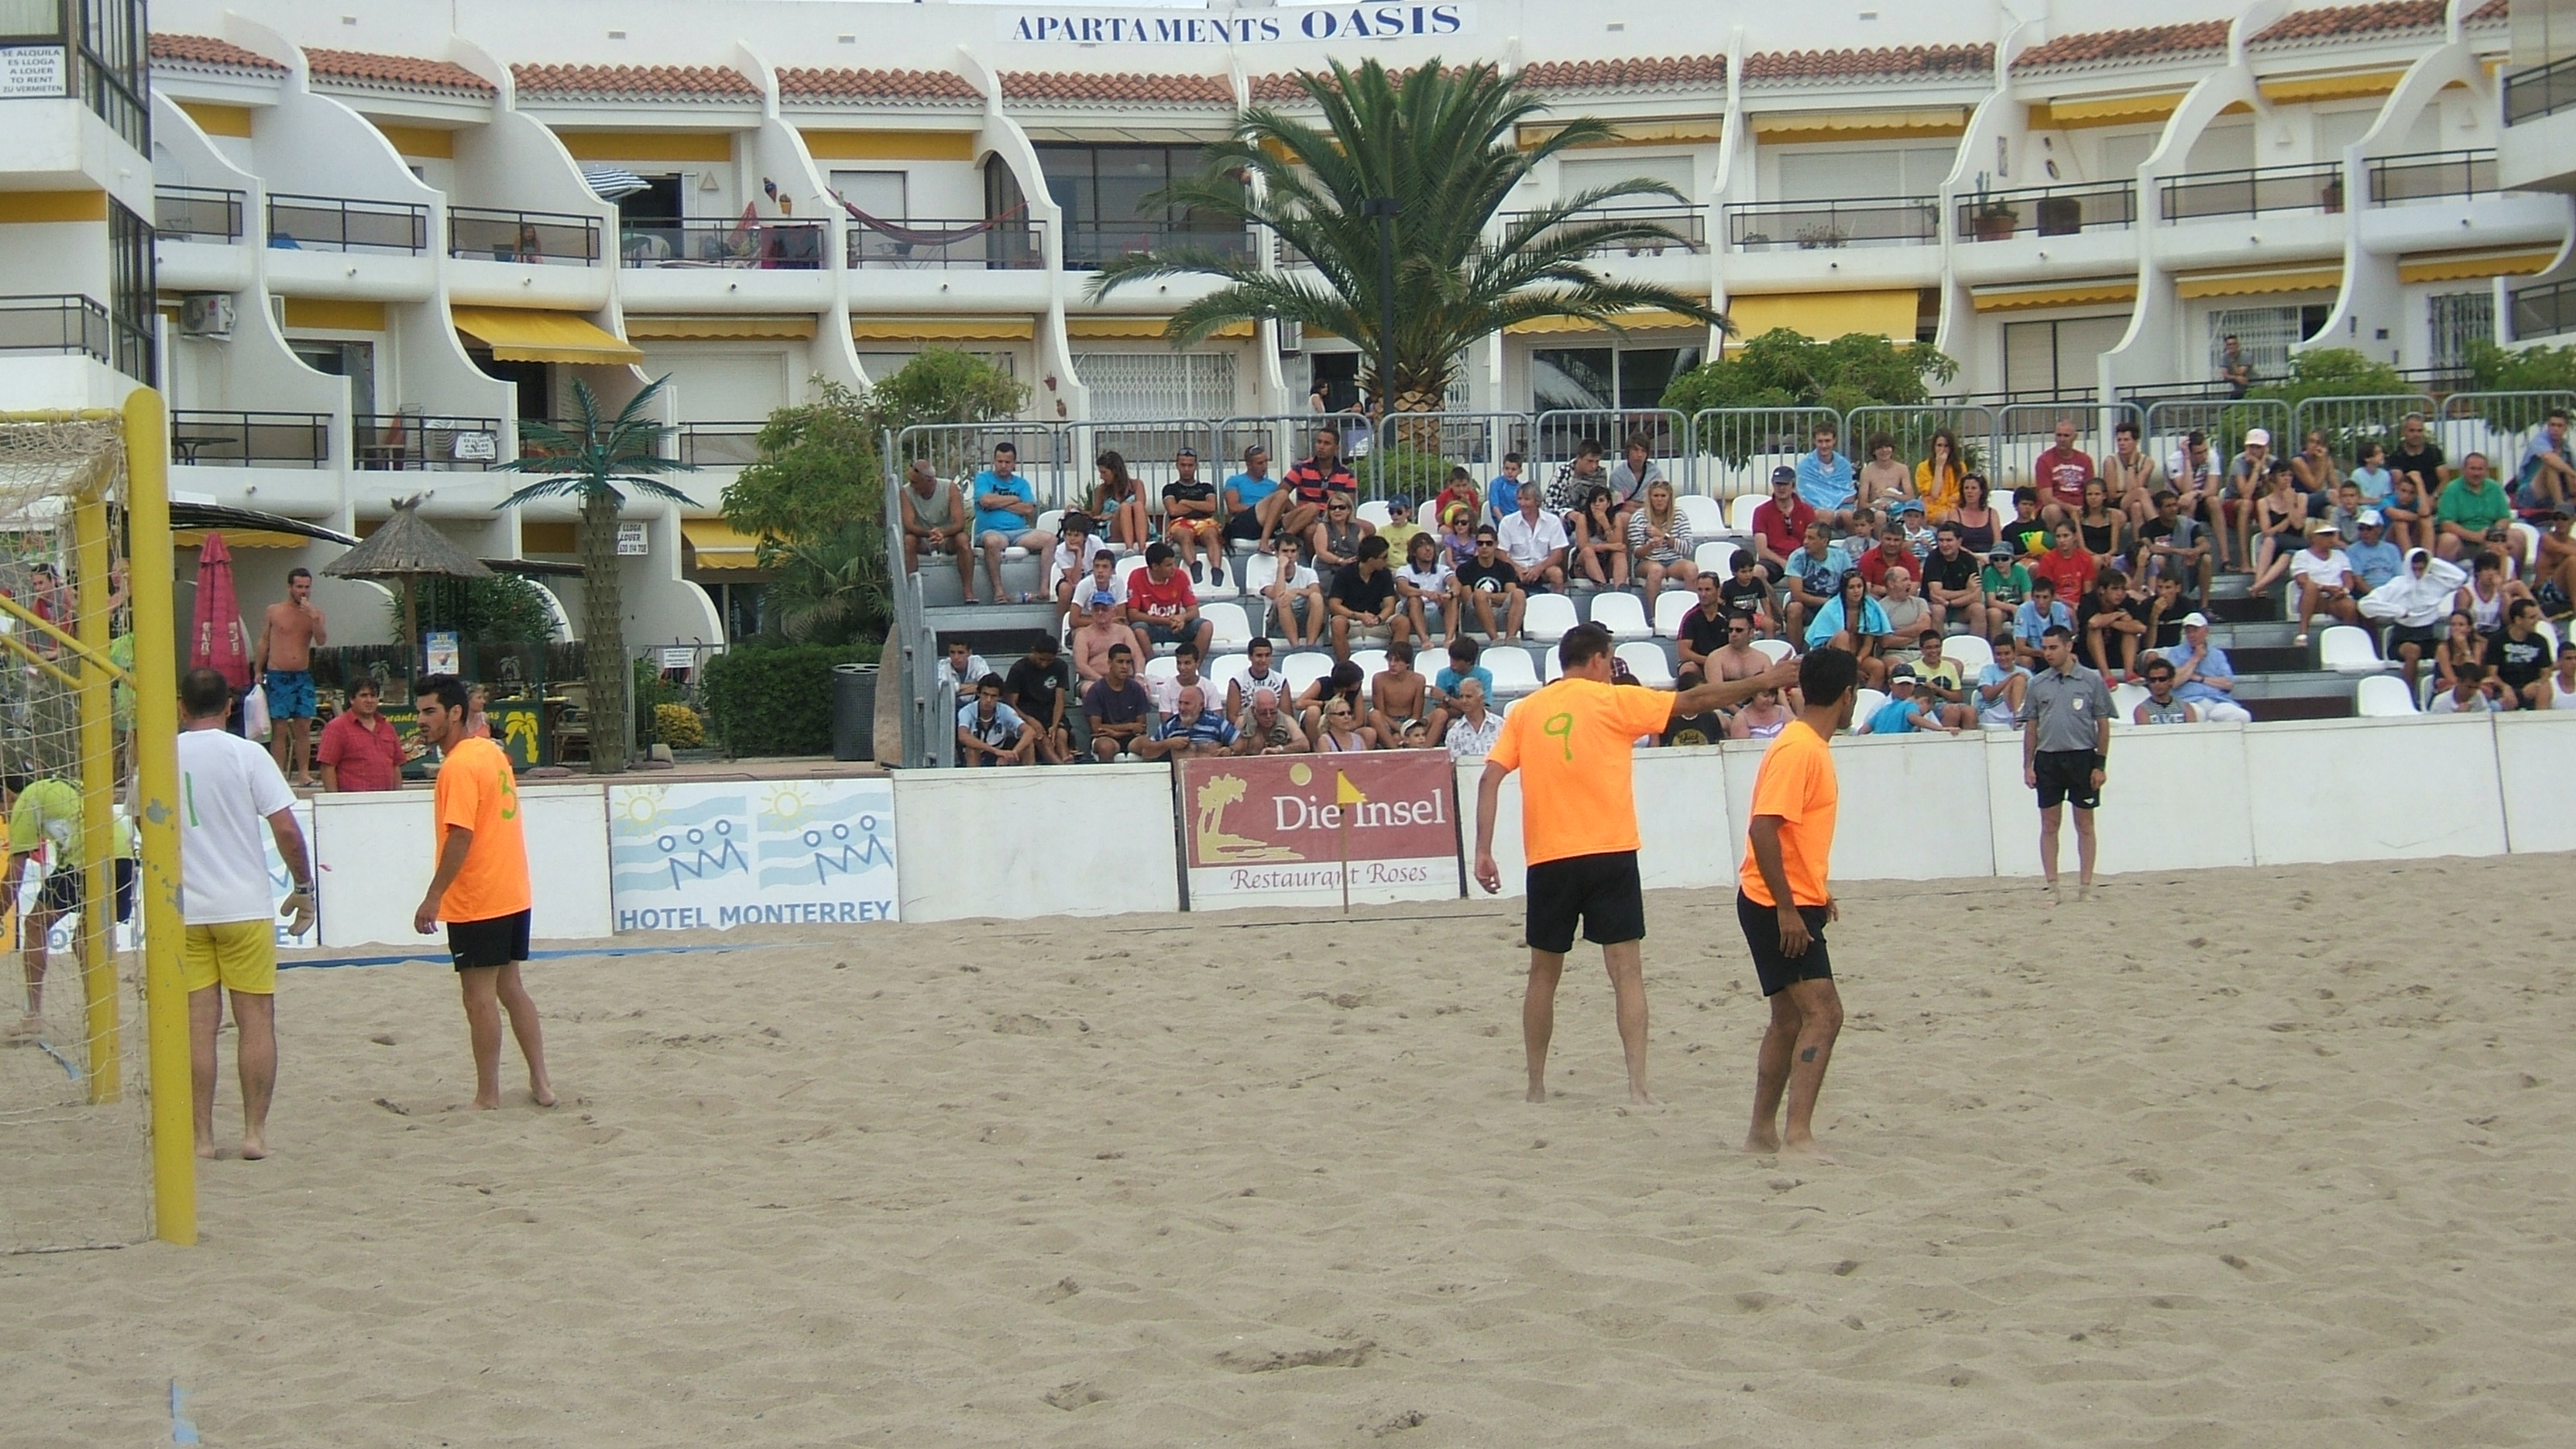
(2545, 480)
(1006, 511)
(1252, 497)
(2038, 614)
(1826, 482)
(1907, 710)
(2373, 559)
(2202, 674)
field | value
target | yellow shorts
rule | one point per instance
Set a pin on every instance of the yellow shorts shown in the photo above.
(240, 955)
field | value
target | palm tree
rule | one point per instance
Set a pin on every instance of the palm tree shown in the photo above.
(1444, 145)
(588, 462)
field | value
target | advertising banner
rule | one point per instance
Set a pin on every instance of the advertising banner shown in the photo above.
(751, 853)
(1274, 830)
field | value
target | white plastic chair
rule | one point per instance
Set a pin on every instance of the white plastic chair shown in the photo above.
(1051, 522)
(1230, 626)
(1707, 515)
(1739, 512)
(1222, 671)
(1374, 513)
(2526, 543)
(1372, 662)
(1716, 556)
(1160, 668)
(2347, 649)
(2383, 696)
(1304, 667)
(1671, 607)
(1774, 649)
(2549, 631)
(1555, 665)
(2125, 700)
(1972, 653)
(1513, 674)
(1646, 660)
(1865, 703)
(1622, 615)
(1548, 617)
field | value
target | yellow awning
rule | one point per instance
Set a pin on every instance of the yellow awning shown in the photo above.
(524, 334)
(942, 329)
(2474, 266)
(2330, 87)
(241, 538)
(2116, 111)
(1825, 315)
(2027, 296)
(718, 546)
(2258, 282)
(1792, 126)
(718, 327)
(1109, 328)
(1644, 319)
(1695, 131)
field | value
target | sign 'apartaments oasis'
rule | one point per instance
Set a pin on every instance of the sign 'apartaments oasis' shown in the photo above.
(1165, 31)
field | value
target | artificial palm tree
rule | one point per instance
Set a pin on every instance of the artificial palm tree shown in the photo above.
(589, 462)
(1444, 145)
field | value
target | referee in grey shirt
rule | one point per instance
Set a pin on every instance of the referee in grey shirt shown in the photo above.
(2065, 749)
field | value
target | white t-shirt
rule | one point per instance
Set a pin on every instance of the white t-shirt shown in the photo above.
(2328, 571)
(1296, 581)
(1436, 581)
(1529, 543)
(976, 669)
(228, 787)
(1167, 694)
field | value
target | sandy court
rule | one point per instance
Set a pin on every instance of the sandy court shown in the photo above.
(2231, 1158)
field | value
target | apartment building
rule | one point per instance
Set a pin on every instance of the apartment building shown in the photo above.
(357, 240)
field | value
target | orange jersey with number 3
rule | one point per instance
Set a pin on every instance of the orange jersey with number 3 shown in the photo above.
(1575, 743)
(476, 790)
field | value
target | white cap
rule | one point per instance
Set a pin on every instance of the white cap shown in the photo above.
(2369, 518)
(2258, 435)
(2195, 621)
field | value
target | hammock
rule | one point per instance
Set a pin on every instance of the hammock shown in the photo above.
(913, 237)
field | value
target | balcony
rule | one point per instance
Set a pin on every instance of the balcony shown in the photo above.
(942, 244)
(528, 238)
(2542, 91)
(417, 443)
(764, 245)
(2432, 176)
(1875, 221)
(197, 213)
(2544, 311)
(1688, 223)
(67, 325)
(718, 445)
(200, 439)
(1087, 244)
(2048, 211)
(332, 224)
(2253, 191)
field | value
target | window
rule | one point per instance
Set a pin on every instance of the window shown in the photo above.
(2059, 356)
(2266, 333)
(130, 293)
(2223, 148)
(1678, 172)
(103, 54)
(1110, 199)
(1844, 173)
(880, 194)
(1595, 379)
(2458, 320)
(1143, 386)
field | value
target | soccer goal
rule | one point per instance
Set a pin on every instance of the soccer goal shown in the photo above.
(94, 1109)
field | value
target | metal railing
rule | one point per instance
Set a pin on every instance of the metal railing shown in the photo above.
(2544, 311)
(718, 445)
(1010, 244)
(1770, 226)
(2253, 191)
(2048, 210)
(70, 323)
(197, 213)
(2221, 422)
(417, 443)
(1733, 450)
(2432, 176)
(2349, 421)
(530, 238)
(765, 244)
(2541, 91)
(219, 439)
(1911, 426)
(1087, 244)
(1560, 432)
(1689, 225)
(335, 224)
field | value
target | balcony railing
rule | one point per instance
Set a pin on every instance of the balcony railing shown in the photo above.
(2049, 211)
(2544, 91)
(75, 324)
(1688, 223)
(417, 443)
(2431, 176)
(2544, 311)
(718, 445)
(202, 439)
(1087, 244)
(796, 246)
(332, 224)
(1873, 221)
(2253, 191)
(531, 238)
(973, 244)
(197, 213)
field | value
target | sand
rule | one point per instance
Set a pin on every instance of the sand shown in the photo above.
(2229, 1158)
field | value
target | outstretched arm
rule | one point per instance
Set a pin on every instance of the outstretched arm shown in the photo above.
(1722, 694)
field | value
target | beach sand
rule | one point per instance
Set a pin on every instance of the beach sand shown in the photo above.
(2260, 1158)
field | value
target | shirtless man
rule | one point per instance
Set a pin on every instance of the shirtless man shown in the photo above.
(934, 521)
(1401, 694)
(1099, 633)
(288, 635)
(1737, 658)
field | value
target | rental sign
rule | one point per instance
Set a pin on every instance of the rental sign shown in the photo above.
(1164, 31)
(1275, 830)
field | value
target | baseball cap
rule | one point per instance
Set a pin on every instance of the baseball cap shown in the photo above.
(1783, 474)
(1400, 501)
(2195, 621)
(1901, 674)
(2370, 518)
(1912, 505)
(1103, 599)
(2001, 550)
(2258, 435)
(2321, 525)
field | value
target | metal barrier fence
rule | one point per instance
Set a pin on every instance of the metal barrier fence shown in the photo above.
(1149, 448)
(1733, 450)
(1559, 433)
(2023, 431)
(1970, 425)
(1290, 437)
(1417, 450)
(2498, 424)
(2348, 422)
(2221, 422)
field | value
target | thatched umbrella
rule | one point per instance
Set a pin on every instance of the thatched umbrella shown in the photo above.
(404, 547)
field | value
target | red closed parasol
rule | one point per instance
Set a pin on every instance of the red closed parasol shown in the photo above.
(218, 641)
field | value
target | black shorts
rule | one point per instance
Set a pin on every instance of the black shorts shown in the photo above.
(2067, 776)
(2426, 635)
(1245, 526)
(64, 890)
(1761, 925)
(1601, 890)
(496, 941)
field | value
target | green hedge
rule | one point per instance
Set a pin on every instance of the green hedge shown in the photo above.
(777, 700)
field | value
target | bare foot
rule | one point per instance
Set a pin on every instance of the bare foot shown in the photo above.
(1536, 1093)
(544, 1093)
(480, 1104)
(253, 1149)
(1806, 1150)
(207, 1151)
(28, 1029)
(1762, 1141)
(1640, 1097)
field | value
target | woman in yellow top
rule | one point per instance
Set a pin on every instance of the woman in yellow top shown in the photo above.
(1936, 478)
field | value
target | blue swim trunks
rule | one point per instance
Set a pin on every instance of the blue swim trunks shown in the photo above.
(290, 693)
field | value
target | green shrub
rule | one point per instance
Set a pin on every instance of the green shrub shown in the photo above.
(678, 726)
(777, 700)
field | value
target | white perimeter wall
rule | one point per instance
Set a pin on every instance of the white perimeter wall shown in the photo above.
(374, 853)
(1093, 841)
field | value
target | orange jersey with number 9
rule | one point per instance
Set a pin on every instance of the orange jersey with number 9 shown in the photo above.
(1574, 743)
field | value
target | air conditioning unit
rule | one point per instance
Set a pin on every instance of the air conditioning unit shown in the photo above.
(206, 314)
(1292, 338)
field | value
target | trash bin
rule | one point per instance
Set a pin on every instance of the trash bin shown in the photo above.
(854, 711)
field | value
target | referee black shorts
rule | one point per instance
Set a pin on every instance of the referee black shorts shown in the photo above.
(2066, 777)
(1600, 891)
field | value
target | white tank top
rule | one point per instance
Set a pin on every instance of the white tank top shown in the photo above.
(2560, 698)
(2487, 615)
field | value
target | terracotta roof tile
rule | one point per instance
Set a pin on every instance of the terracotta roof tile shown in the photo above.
(2494, 12)
(1913, 61)
(634, 83)
(207, 50)
(1276, 87)
(1116, 86)
(399, 72)
(811, 83)
(1636, 73)
(2145, 42)
(2336, 22)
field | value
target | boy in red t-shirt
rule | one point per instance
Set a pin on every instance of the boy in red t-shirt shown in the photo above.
(1164, 606)
(1780, 525)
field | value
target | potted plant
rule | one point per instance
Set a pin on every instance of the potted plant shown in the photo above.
(1996, 220)
(2061, 215)
(1822, 236)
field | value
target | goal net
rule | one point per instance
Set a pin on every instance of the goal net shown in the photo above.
(72, 1094)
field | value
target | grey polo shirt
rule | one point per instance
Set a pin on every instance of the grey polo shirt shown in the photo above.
(2064, 708)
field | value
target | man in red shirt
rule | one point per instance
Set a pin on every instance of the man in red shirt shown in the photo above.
(1164, 606)
(1891, 553)
(361, 749)
(1310, 485)
(2061, 473)
(2068, 566)
(1780, 525)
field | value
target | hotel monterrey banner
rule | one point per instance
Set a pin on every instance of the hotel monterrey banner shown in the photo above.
(1268, 830)
(770, 852)
(1163, 31)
